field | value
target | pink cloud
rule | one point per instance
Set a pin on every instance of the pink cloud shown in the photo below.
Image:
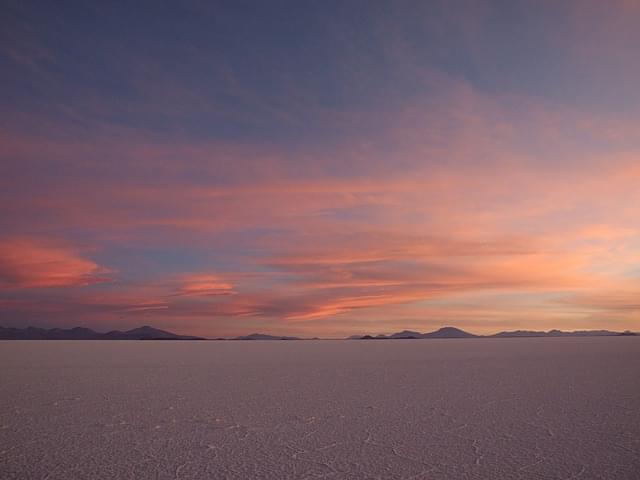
(203, 284)
(26, 263)
(454, 206)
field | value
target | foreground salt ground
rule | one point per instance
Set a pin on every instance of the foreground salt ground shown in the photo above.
(556, 408)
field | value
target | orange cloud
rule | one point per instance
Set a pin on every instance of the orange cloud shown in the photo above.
(26, 263)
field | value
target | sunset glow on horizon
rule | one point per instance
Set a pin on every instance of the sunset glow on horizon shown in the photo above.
(321, 169)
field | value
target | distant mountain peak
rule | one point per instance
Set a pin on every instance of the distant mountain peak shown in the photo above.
(449, 332)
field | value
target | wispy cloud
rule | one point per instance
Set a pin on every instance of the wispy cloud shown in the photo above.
(203, 284)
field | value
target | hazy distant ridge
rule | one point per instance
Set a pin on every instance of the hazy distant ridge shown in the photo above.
(559, 333)
(262, 336)
(453, 332)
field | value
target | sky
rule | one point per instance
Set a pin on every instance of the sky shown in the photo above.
(320, 168)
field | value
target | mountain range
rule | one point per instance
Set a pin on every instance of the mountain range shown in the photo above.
(150, 333)
(80, 333)
(453, 332)
(444, 332)
(559, 333)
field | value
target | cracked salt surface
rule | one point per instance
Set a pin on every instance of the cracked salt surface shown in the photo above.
(537, 408)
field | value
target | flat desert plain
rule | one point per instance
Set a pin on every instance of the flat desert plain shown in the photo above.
(537, 408)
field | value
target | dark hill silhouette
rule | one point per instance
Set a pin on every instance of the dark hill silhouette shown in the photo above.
(145, 333)
(406, 334)
(79, 333)
(444, 332)
(449, 332)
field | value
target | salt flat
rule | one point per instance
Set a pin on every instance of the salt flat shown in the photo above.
(556, 408)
